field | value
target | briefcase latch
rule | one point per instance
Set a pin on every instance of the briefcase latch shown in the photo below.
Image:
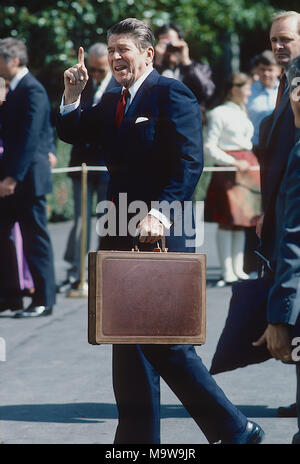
(158, 249)
(163, 246)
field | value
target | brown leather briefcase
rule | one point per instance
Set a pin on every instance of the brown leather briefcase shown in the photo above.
(146, 297)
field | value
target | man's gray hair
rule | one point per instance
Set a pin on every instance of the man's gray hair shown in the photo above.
(12, 48)
(139, 30)
(286, 14)
(293, 73)
(98, 49)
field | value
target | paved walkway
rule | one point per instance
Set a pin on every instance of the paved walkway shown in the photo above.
(56, 388)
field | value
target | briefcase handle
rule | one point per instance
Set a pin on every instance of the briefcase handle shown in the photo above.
(158, 249)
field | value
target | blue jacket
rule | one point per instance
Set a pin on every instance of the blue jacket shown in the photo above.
(27, 136)
(160, 158)
(277, 138)
(284, 299)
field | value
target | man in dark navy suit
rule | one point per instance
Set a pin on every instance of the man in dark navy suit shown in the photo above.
(151, 133)
(277, 131)
(25, 180)
(100, 81)
(278, 135)
(284, 299)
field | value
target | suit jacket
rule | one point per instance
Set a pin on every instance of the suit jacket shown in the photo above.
(160, 158)
(284, 299)
(277, 137)
(91, 154)
(27, 137)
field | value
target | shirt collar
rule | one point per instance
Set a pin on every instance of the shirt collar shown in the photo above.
(135, 87)
(269, 89)
(16, 79)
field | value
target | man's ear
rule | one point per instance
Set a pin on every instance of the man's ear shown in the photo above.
(150, 55)
(295, 94)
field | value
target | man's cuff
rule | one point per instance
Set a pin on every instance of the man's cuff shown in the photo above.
(161, 217)
(66, 109)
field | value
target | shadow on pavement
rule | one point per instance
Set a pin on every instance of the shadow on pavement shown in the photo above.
(97, 412)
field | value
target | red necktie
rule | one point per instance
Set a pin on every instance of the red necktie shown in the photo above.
(280, 92)
(121, 106)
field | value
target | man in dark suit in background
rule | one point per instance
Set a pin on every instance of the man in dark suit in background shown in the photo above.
(25, 180)
(278, 135)
(100, 81)
(277, 131)
(284, 299)
(151, 133)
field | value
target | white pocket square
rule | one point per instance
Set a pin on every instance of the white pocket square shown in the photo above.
(141, 119)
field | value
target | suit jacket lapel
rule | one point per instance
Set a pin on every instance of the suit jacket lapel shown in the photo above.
(133, 109)
(280, 161)
(283, 104)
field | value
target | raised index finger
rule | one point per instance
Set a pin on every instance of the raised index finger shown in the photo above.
(81, 56)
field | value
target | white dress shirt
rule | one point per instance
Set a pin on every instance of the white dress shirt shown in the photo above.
(228, 129)
(101, 88)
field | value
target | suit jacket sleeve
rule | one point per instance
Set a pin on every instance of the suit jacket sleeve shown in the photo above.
(284, 299)
(183, 138)
(20, 153)
(80, 126)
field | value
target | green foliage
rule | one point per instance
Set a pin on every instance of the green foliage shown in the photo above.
(54, 30)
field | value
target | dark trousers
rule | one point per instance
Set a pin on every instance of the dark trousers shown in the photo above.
(136, 378)
(95, 185)
(30, 212)
(251, 244)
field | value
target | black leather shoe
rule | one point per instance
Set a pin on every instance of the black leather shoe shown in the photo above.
(10, 308)
(253, 435)
(34, 311)
(11, 304)
(67, 285)
(287, 411)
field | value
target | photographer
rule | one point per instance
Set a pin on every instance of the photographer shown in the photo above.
(172, 59)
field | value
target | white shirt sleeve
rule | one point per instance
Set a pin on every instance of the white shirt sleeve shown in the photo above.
(212, 140)
(161, 217)
(65, 109)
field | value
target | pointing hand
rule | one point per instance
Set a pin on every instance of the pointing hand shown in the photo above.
(75, 79)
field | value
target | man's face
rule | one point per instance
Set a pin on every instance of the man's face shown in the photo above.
(126, 60)
(8, 69)
(285, 40)
(98, 67)
(268, 74)
(171, 58)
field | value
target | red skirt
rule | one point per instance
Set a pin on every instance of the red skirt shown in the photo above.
(234, 198)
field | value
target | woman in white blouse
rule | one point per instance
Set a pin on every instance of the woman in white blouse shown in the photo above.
(233, 198)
